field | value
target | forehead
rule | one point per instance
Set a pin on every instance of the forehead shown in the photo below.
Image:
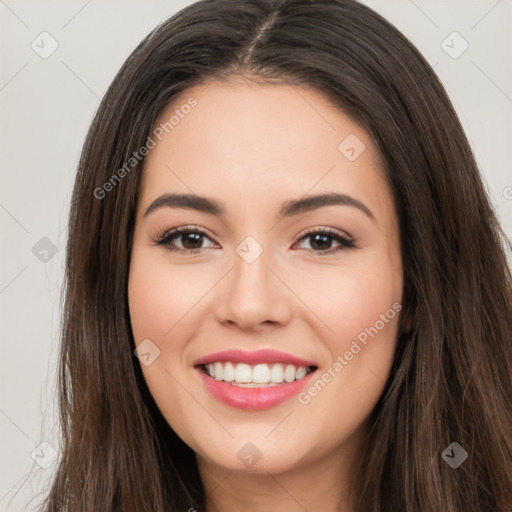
(244, 142)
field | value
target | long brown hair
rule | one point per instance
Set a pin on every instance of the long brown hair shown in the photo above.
(451, 379)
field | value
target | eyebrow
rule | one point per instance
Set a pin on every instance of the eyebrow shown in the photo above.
(289, 208)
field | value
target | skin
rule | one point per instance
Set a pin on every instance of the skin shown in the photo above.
(251, 148)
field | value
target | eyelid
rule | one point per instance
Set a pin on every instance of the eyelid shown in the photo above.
(166, 236)
(187, 228)
(327, 230)
(344, 239)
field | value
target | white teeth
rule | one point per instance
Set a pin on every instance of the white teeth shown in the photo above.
(244, 375)
(218, 368)
(261, 374)
(289, 373)
(301, 372)
(229, 372)
(277, 373)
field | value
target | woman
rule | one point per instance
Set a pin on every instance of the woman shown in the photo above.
(286, 287)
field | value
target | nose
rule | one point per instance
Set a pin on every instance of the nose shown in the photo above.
(253, 296)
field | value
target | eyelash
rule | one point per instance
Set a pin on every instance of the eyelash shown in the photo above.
(167, 237)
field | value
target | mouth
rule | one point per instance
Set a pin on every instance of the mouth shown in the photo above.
(254, 380)
(255, 376)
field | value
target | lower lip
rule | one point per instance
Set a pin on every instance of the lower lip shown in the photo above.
(253, 398)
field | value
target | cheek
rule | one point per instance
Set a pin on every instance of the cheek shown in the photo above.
(166, 305)
(349, 299)
(364, 297)
(161, 298)
(161, 305)
(361, 308)
(148, 295)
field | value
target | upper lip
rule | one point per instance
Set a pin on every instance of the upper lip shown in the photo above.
(253, 357)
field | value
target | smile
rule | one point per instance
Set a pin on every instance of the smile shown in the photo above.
(260, 375)
(254, 380)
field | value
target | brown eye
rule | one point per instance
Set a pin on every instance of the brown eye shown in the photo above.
(322, 241)
(183, 240)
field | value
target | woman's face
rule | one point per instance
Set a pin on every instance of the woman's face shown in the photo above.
(268, 324)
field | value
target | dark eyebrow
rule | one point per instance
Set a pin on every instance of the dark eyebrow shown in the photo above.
(309, 203)
(289, 208)
(190, 201)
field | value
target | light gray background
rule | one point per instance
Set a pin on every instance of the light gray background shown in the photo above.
(46, 107)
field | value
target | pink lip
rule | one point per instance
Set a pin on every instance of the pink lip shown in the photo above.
(253, 398)
(254, 357)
